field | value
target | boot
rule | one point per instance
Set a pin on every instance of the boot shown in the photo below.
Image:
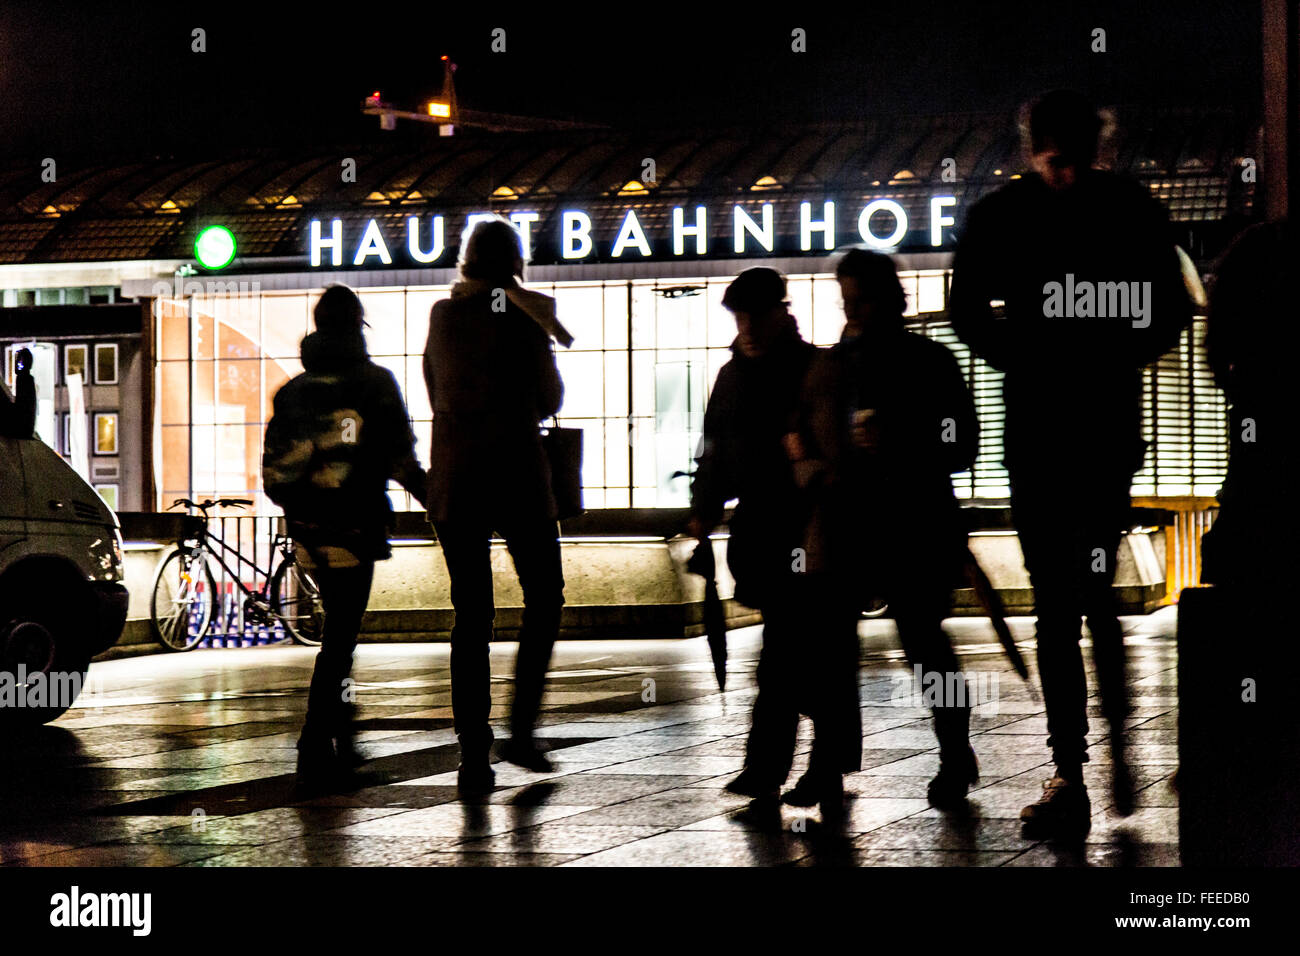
(475, 777)
(957, 774)
(751, 784)
(317, 763)
(345, 750)
(345, 739)
(807, 792)
(1063, 810)
(524, 752)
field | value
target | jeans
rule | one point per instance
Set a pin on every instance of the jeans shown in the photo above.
(918, 608)
(535, 549)
(345, 593)
(808, 664)
(1070, 555)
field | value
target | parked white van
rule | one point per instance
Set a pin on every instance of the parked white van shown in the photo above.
(62, 598)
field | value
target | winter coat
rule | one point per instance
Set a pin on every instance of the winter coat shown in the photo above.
(741, 456)
(1072, 388)
(492, 379)
(889, 515)
(338, 433)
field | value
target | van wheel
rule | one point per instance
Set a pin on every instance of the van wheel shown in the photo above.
(43, 662)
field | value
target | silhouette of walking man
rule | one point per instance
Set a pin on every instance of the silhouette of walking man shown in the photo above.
(1084, 261)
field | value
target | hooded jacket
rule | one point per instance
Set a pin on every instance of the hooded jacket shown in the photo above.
(338, 433)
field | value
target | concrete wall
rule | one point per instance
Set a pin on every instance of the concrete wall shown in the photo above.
(626, 588)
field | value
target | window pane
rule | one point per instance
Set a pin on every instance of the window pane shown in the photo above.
(417, 394)
(386, 313)
(418, 305)
(583, 386)
(828, 312)
(284, 323)
(173, 392)
(173, 329)
(204, 345)
(580, 309)
(239, 388)
(615, 384)
(175, 462)
(238, 327)
(615, 294)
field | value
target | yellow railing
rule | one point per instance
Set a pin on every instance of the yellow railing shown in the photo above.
(1192, 517)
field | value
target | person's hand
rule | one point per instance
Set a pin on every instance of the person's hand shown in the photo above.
(696, 529)
(793, 444)
(866, 430)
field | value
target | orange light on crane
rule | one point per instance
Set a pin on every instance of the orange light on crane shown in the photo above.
(442, 110)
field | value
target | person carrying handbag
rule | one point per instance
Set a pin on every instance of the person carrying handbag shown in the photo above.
(492, 379)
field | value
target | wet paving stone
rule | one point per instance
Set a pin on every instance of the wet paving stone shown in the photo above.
(189, 760)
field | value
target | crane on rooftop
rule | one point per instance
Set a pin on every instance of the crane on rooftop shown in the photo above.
(446, 113)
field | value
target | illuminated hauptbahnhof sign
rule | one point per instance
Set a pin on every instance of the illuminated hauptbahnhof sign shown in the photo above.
(752, 229)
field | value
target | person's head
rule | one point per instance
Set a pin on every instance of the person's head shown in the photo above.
(492, 252)
(1060, 132)
(756, 298)
(23, 360)
(339, 311)
(874, 299)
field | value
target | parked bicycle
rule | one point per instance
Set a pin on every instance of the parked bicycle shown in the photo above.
(185, 597)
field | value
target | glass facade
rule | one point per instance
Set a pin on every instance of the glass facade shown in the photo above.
(645, 355)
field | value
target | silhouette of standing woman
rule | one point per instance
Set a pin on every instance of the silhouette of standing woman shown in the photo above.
(492, 378)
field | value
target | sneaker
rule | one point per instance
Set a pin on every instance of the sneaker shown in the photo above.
(749, 784)
(1063, 810)
(525, 753)
(947, 791)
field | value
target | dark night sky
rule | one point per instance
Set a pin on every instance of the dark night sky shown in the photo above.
(95, 81)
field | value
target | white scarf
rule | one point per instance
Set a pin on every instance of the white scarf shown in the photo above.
(540, 308)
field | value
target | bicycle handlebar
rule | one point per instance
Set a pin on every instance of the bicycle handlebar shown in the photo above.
(209, 503)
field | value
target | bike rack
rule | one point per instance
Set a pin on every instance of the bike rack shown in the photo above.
(229, 627)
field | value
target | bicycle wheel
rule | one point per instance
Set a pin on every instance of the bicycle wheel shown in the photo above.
(182, 600)
(295, 598)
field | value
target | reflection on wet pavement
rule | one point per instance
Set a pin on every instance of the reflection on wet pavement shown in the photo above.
(189, 760)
